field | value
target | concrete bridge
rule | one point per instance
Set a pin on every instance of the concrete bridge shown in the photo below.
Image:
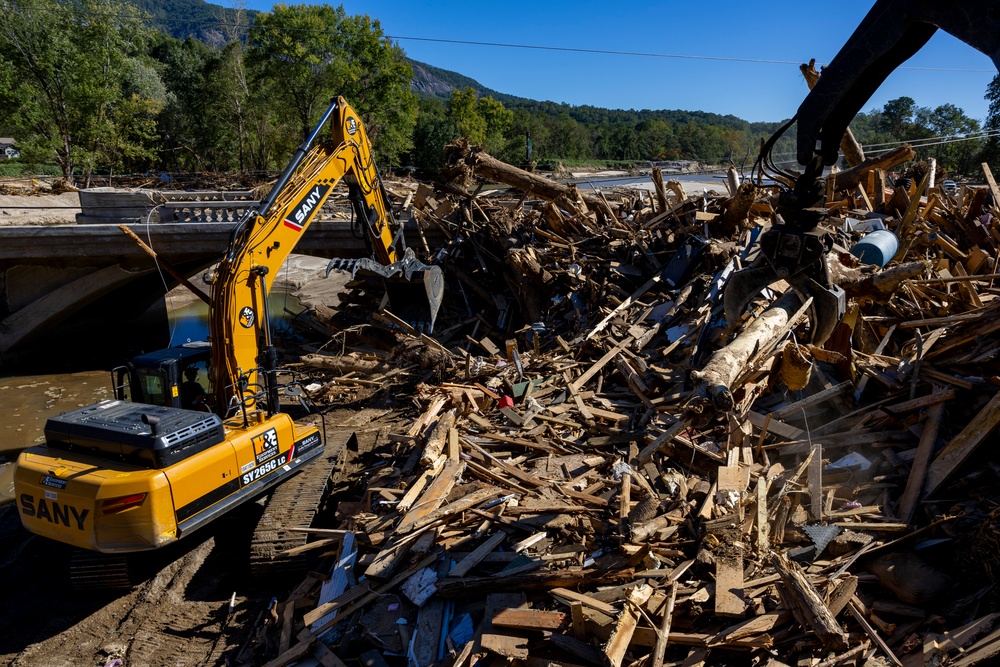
(87, 289)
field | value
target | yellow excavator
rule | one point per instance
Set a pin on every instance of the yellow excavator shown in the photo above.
(125, 476)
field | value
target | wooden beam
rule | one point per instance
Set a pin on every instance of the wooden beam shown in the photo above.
(962, 445)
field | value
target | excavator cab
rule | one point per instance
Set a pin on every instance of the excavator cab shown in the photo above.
(175, 377)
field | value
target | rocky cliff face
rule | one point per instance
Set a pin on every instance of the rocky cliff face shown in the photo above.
(426, 82)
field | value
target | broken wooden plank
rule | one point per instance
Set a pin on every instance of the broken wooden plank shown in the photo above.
(962, 445)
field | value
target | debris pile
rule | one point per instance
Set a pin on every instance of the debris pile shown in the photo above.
(601, 470)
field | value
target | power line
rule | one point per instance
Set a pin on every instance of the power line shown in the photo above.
(507, 45)
(914, 145)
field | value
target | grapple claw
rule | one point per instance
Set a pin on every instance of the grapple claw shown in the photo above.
(799, 258)
(415, 289)
(743, 286)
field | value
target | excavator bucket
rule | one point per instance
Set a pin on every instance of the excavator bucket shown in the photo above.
(414, 289)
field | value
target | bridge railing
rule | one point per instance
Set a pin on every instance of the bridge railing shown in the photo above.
(114, 206)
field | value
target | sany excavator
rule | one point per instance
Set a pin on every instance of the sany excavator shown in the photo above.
(126, 476)
(794, 248)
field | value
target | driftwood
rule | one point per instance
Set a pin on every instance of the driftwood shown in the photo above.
(883, 284)
(739, 206)
(715, 380)
(465, 160)
(851, 178)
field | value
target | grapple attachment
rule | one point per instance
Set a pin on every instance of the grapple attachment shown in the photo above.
(415, 289)
(786, 253)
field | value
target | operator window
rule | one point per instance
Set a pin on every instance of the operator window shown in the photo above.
(152, 386)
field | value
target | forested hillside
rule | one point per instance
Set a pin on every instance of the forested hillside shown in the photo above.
(112, 86)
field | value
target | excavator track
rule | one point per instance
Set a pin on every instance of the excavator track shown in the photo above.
(293, 504)
(94, 571)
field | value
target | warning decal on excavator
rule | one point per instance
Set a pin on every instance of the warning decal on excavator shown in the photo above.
(302, 211)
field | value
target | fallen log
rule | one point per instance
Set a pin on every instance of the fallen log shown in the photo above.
(464, 158)
(715, 380)
(851, 178)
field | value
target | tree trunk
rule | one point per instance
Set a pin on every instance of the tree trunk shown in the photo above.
(851, 178)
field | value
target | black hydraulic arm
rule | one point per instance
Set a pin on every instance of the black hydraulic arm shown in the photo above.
(891, 32)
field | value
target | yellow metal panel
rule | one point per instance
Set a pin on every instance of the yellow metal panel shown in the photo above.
(62, 499)
(202, 474)
(261, 444)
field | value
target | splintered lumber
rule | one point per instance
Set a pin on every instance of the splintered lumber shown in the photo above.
(463, 566)
(918, 469)
(808, 606)
(505, 470)
(437, 439)
(531, 619)
(663, 636)
(621, 637)
(729, 557)
(508, 646)
(433, 496)
(460, 505)
(531, 581)
(962, 445)
(853, 608)
(568, 596)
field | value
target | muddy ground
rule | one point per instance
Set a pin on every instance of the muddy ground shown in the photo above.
(177, 617)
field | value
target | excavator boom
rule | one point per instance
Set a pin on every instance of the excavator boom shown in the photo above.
(795, 247)
(242, 349)
(891, 32)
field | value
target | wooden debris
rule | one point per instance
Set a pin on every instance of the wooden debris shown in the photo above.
(591, 466)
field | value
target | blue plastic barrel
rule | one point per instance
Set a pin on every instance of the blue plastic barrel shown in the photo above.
(876, 248)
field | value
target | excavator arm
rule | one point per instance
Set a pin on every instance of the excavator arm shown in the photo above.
(243, 356)
(794, 248)
(891, 32)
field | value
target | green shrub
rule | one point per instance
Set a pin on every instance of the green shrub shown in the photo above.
(14, 169)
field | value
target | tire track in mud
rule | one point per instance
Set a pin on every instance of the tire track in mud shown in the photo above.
(163, 622)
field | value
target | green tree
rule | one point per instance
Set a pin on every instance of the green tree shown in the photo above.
(498, 120)
(463, 111)
(302, 55)
(991, 149)
(76, 68)
(897, 117)
(378, 85)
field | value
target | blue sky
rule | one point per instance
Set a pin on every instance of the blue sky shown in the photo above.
(764, 30)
